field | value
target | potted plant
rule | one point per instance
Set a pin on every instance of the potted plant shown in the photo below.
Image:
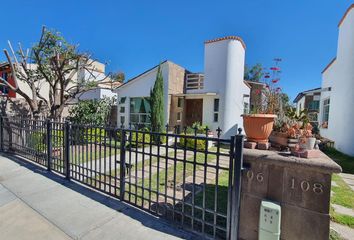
(287, 126)
(259, 124)
(306, 140)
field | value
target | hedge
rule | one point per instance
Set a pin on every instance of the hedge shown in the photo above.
(190, 143)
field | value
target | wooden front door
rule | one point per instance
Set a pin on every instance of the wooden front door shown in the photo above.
(194, 111)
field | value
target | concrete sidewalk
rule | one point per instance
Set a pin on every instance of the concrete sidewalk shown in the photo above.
(35, 204)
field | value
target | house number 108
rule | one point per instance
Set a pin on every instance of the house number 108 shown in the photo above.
(306, 186)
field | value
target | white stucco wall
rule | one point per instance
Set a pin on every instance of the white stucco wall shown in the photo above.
(140, 87)
(224, 70)
(340, 77)
(98, 93)
(300, 105)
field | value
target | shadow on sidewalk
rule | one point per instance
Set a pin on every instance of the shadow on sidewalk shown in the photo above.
(144, 218)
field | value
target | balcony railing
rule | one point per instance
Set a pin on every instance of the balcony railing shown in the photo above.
(194, 81)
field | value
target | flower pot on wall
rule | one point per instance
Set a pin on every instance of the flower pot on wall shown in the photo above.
(307, 143)
(279, 138)
(258, 127)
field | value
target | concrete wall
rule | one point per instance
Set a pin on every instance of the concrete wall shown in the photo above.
(340, 77)
(302, 187)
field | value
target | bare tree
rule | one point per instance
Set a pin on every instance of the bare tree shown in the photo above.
(52, 64)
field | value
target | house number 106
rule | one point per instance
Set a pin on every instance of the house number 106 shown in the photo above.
(306, 186)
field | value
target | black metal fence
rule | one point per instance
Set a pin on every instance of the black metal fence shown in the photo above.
(192, 179)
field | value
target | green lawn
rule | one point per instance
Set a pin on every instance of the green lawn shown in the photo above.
(345, 161)
(93, 154)
(344, 196)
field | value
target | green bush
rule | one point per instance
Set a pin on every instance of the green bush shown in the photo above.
(88, 135)
(138, 142)
(36, 141)
(57, 138)
(190, 143)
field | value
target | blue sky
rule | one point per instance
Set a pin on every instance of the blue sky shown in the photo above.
(134, 35)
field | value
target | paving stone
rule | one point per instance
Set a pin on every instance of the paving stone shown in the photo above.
(343, 210)
(345, 232)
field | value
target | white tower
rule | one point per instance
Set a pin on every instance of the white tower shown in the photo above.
(224, 71)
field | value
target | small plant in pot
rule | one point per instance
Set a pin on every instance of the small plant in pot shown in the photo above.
(258, 125)
(306, 140)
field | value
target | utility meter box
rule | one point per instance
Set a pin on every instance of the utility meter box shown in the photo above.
(269, 221)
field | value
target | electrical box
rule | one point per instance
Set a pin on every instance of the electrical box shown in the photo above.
(269, 221)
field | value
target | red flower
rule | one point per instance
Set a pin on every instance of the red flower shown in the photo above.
(266, 76)
(274, 68)
(278, 89)
(258, 91)
(267, 86)
(275, 80)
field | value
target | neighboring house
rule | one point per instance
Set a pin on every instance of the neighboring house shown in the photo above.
(216, 97)
(96, 73)
(337, 97)
(310, 101)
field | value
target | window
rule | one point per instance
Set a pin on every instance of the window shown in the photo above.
(314, 105)
(313, 117)
(3, 89)
(216, 105)
(122, 110)
(122, 119)
(325, 116)
(216, 117)
(179, 116)
(216, 110)
(122, 100)
(140, 110)
(180, 102)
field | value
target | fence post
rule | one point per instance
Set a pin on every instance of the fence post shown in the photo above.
(1, 134)
(122, 165)
(66, 149)
(236, 186)
(49, 144)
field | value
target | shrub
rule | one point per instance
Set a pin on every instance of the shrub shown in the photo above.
(190, 143)
(57, 138)
(134, 142)
(36, 141)
(89, 135)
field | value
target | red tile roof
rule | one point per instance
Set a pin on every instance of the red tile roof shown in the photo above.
(227, 38)
(345, 14)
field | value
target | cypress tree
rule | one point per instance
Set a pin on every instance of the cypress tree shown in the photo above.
(157, 103)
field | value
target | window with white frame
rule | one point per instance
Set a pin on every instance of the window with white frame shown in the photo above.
(216, 110)
(325, 116)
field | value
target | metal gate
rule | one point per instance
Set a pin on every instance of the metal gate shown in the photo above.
(189, 178)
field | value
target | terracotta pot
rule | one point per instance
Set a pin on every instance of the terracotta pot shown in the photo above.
(279, 138)
(258, 127)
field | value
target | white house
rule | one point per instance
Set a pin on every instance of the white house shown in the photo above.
(216, 98)
(309, 100)
(337, 97)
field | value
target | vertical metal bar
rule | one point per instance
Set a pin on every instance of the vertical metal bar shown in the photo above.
(229, 190)
(122, 165)
(236, 187)
(49, 144)
(66, 149)
(1, 134)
